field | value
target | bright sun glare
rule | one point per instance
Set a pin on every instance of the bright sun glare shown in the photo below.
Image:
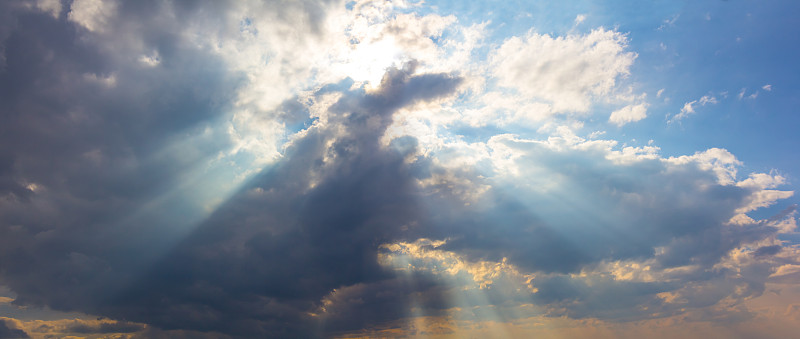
(367, 62)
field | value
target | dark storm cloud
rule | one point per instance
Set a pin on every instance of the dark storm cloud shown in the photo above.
(89, 136)
(263, 262)
(84, 130)
(103, 327)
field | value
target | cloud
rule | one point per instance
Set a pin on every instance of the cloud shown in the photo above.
(565, 72)
(91, 14)
(226, 170)
(141, 144)
(348, 162)
(115, 153)
(630, 113)
(333, 211)
(51, 6)
(91, 328)
(688, 108)
(102, 155)
(10, 332)
(590, 224)
(668, 23)
(754, 95)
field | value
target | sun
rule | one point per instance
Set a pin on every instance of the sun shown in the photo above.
(366, 62)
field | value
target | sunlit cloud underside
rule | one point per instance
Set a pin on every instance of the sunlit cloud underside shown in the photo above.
(395, 169)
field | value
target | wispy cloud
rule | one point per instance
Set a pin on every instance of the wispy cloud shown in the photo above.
(689, 108)
(667, 23)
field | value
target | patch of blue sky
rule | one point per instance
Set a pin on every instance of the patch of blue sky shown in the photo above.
(509, 18)
(720, 49)
(740, 53)
(688, 50)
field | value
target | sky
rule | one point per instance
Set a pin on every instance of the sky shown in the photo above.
(409, 169)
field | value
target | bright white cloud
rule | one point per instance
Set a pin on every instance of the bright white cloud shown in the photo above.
(762, 190)
(566, 72)
(630, 113)
(151, 60)
(723, 163)
(94, 15)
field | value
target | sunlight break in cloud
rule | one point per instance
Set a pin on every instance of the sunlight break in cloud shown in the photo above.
(325, 169)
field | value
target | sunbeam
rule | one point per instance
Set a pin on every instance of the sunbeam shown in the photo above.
(398, 168)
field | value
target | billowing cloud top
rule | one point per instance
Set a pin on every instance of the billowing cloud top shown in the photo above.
(369, 168)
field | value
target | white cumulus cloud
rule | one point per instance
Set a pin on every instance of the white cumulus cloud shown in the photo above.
(566, 72)
(91, 14)
(630, 113)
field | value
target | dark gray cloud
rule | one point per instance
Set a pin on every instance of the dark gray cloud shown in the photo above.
(303, 228)
(83, 131)
(104, 327)
(670, 222)
(11, 333)
(649, 211)
(603, 211)
(88, 127)
(86, 131)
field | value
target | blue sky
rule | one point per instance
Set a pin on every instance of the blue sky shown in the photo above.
(688, 49)
(443, 169)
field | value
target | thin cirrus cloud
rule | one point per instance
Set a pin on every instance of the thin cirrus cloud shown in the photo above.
(328, 168)
(689, 107)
